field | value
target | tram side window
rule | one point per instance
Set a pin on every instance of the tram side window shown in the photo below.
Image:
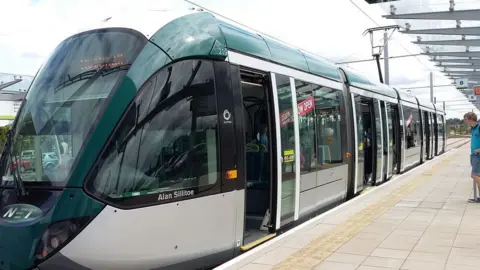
(440, 126)
(412, 129)
(319, 126)
(169, 147)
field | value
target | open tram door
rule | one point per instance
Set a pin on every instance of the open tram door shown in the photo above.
(259, 154)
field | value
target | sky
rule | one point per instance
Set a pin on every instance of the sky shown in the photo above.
(30, 30)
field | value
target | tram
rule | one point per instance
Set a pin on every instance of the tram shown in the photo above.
(185, 146)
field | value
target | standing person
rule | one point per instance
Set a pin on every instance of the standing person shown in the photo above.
(471, 120)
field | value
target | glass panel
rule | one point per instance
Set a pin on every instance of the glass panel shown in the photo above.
(432, 134)
(378, 139)
(383, 112)
(412, 143)
(426, 128)
(287, 137)
(65, 100)
(360, 141)
(166, 144)
(391, 139)
(320, 126)
(328, 126)
(440, 133)
(306, 119)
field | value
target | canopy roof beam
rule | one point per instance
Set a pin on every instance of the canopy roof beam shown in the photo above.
(466, 31)
(462, 74)
(7, 84)
(459, 66)
(458, 61)
(463, 15)
(454, 54)
(454, 42)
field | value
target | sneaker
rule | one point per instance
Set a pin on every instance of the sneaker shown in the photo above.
(476, 200)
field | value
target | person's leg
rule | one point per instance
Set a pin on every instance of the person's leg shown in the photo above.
(475, 161)
(476, 177)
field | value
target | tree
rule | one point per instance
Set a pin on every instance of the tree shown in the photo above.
(3, 135)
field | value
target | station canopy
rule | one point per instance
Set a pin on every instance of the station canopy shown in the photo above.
(448, 32)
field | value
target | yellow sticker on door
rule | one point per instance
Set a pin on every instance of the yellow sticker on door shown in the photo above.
(288, 156)
(288, 159)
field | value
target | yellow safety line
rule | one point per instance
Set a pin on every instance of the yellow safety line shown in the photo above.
(257, 242)
(323, 246)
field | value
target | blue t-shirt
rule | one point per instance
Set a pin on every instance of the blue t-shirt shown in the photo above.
(475, 141)
(264, 140)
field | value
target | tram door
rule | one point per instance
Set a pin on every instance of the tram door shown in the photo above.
(259, 133)
(397, 130)
(426, 125)
(378, 142)
(288, 147)
(423, 139)
(365, 150)
(432, 136)
(390, 141)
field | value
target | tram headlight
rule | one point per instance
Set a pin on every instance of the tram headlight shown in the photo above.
(58, 235)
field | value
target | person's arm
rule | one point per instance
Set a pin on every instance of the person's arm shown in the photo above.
(476, 151)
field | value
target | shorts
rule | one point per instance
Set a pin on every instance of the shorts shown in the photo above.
(475, 162)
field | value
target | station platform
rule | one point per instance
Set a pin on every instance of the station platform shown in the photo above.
(418, 220)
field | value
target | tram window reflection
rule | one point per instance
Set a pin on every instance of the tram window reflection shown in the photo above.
(170, 146)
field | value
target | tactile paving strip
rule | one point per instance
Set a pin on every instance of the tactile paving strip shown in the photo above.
(322, 247)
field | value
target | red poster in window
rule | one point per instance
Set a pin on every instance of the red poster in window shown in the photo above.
(306, 106)
(409, 120)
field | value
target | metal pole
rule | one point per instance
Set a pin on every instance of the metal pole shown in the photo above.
(444, 106)
(431, 87)
(385, 55)
(379, 68)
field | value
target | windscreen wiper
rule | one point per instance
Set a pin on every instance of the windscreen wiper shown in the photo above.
(104, 71)
(17, 179)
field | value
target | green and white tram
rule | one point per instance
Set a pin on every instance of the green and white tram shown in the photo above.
(183, 147)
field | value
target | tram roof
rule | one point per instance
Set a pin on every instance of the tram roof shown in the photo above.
(190, 34)
(361, 81)
(201, 34)
(407, 97)
(439, 109)
(426, 104)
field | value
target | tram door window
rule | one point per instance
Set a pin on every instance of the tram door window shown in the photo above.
(432, 135)
(288, 153)
(378, 142)
(441, 133)
(396, 130)
(359, 141)
(386, 139)
(258, 142)
(426, 124)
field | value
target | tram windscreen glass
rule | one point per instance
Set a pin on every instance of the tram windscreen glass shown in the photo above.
(65, 100)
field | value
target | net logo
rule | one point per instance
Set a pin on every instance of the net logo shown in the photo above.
(20, 213)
